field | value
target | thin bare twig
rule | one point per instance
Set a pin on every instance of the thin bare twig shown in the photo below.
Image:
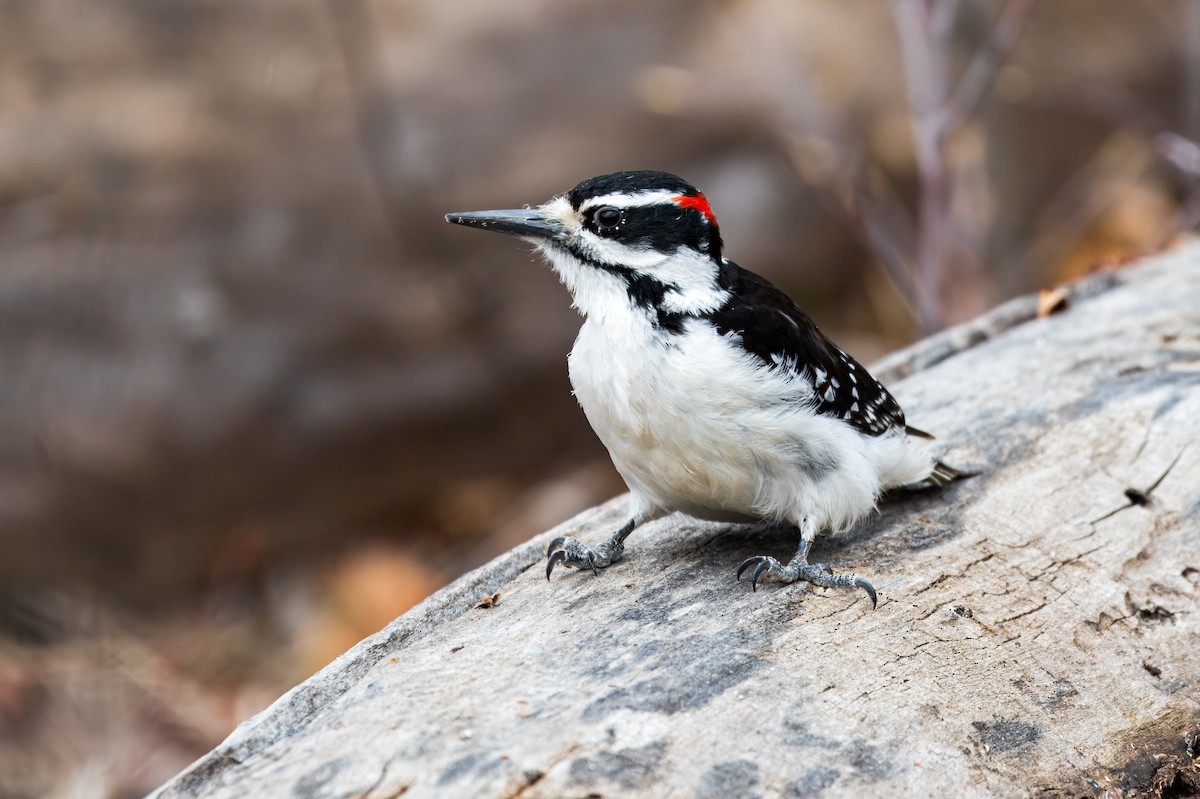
(982, 69)
(924, 69)
(883, 226)
(354, 33)
(925, 31)
(879, 223)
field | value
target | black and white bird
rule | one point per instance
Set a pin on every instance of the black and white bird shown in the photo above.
(715, 395)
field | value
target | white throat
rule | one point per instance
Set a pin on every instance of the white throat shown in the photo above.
(594, 292)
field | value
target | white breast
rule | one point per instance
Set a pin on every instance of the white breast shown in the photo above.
(695, 424)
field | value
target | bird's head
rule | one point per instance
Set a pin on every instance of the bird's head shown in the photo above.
(648, 238)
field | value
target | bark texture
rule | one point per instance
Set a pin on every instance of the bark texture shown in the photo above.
(1038, 631)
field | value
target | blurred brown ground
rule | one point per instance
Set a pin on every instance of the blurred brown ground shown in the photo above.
(257, 398)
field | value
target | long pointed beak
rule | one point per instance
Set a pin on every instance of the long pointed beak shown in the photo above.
(526, 222)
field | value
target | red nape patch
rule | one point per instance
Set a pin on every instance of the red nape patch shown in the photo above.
(696, 202)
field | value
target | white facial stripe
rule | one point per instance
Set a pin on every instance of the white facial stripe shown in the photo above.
(622, 200)
(614, 253)
(695, 278)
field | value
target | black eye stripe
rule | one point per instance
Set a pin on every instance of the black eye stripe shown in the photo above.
(663, 226)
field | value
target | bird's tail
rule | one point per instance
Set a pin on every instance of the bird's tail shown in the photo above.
(943, 474)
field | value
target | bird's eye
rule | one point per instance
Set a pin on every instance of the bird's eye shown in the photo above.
(608, 217)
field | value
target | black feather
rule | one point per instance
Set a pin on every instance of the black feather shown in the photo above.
(628, 182)
(772, 327)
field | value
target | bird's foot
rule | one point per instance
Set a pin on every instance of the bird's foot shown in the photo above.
(768, 569)
(578, 555)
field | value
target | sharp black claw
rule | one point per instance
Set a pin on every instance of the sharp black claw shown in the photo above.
(870, 589)
(758, 570)
(558, 556)
(556, 544)
(746, 564)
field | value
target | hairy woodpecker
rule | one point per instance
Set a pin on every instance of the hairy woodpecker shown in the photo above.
(715, 395)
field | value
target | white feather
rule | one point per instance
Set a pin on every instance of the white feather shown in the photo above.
(627, 200)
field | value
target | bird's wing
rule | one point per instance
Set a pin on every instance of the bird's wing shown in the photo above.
(772, 327)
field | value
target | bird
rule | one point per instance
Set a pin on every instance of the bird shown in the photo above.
(714, 393)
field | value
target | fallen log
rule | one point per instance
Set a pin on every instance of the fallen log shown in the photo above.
(1038, 630)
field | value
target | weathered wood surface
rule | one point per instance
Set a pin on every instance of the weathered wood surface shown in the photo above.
(1028, 640)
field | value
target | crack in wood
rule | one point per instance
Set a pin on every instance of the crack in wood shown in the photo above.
(1141, 498)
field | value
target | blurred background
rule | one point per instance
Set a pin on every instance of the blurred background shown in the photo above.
(257, 398)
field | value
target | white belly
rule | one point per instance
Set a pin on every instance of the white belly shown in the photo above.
(696, 425)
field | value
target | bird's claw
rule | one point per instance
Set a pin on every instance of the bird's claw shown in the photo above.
(575, 554)
(555, 557)
(761, 563)
(870, 589)
(767, 569)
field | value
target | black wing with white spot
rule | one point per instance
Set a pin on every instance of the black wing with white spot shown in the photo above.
(774, 329)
